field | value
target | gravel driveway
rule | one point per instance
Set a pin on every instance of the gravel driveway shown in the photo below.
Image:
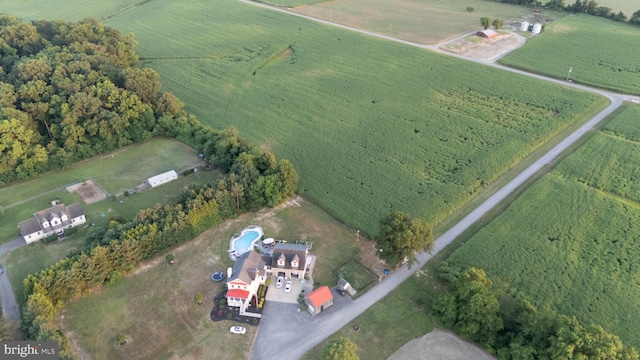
(9, 304)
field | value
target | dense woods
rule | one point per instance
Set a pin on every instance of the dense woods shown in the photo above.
(68, 92)
(512, 328)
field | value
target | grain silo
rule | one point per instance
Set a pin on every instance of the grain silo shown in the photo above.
(524, 26)
(537, 27)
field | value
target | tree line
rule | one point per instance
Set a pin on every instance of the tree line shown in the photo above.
(590, 7)
(510, 327)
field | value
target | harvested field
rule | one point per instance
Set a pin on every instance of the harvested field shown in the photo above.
(441, 345)
(89, 191)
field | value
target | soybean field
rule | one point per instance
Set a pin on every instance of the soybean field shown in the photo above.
(584, 49)
(570, 241)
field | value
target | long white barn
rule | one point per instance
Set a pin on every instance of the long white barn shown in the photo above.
(162, 178)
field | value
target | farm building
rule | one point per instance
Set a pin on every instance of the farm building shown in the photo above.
(487, 34)
(162, 178)
(52, 220)
(319, 300)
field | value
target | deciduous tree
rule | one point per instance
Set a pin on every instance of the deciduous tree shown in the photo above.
(401, 237)
(341, 349)
(485, 22)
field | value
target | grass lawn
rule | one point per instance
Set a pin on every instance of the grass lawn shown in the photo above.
(113, 172)
(163, 321)
(67, 9)
(599, 51)
(398, 318)
(569, 242)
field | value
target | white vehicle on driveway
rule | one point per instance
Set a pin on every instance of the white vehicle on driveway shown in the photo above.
(237, 330)
(287, 286)
(279, 282)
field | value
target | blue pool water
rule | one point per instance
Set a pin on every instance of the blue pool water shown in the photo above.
(244, 243)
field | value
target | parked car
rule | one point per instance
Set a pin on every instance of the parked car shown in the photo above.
(238, 330)
(279, 282)
(287, 286)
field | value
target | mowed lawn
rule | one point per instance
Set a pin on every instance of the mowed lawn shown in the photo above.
(372, 126)
(570, 241)
(423, 22)
(155, 307)
(115, 172)
(599, 52)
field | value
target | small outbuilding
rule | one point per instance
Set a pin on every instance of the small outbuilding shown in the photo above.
(319, 300)
(162, 178)
(487, 34)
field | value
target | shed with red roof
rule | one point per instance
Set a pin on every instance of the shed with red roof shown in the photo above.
(319, 300)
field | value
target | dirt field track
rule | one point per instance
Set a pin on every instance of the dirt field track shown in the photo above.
(88, 190)
(439, 345)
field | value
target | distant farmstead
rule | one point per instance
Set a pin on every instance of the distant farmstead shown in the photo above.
(52, 220)
(162, 178)
(487, 34)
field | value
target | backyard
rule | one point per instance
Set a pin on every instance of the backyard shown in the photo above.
(114, 172)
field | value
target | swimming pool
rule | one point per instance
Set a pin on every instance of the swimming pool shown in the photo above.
(243, 242)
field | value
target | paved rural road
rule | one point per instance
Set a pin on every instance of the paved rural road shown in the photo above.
(9, 304)
(279, 337)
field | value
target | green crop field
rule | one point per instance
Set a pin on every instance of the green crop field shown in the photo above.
(628, 7)
(570, 241)
(600, 52)
(67, 9)
(422, 22)
(371, 125)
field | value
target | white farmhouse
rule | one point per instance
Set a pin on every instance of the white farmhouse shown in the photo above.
(52, 220)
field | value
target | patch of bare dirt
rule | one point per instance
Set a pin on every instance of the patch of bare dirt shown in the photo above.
(440, 345)
(485, 49)
(89, 191)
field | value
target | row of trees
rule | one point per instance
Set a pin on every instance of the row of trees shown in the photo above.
(486, 23)
(512, 328)
(590, 7)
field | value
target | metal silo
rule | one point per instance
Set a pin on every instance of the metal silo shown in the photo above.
(536, 28)
(524, 26)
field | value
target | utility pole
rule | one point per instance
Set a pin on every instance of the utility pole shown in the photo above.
(570, 69)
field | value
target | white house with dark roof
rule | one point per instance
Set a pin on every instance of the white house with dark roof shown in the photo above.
(289, 260)
(50, 221)
(249, 272)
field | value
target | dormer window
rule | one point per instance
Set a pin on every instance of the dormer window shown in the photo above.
(45, 224)
(281, 260)
(295, 261)
(64, 217)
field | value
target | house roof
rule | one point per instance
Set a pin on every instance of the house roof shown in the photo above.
(170, 173)
(488, 33)
(28, 227)
(75, 210)
(246, 267)
(290, 251)
(319, 296)
(34, 224)
(238, 293)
